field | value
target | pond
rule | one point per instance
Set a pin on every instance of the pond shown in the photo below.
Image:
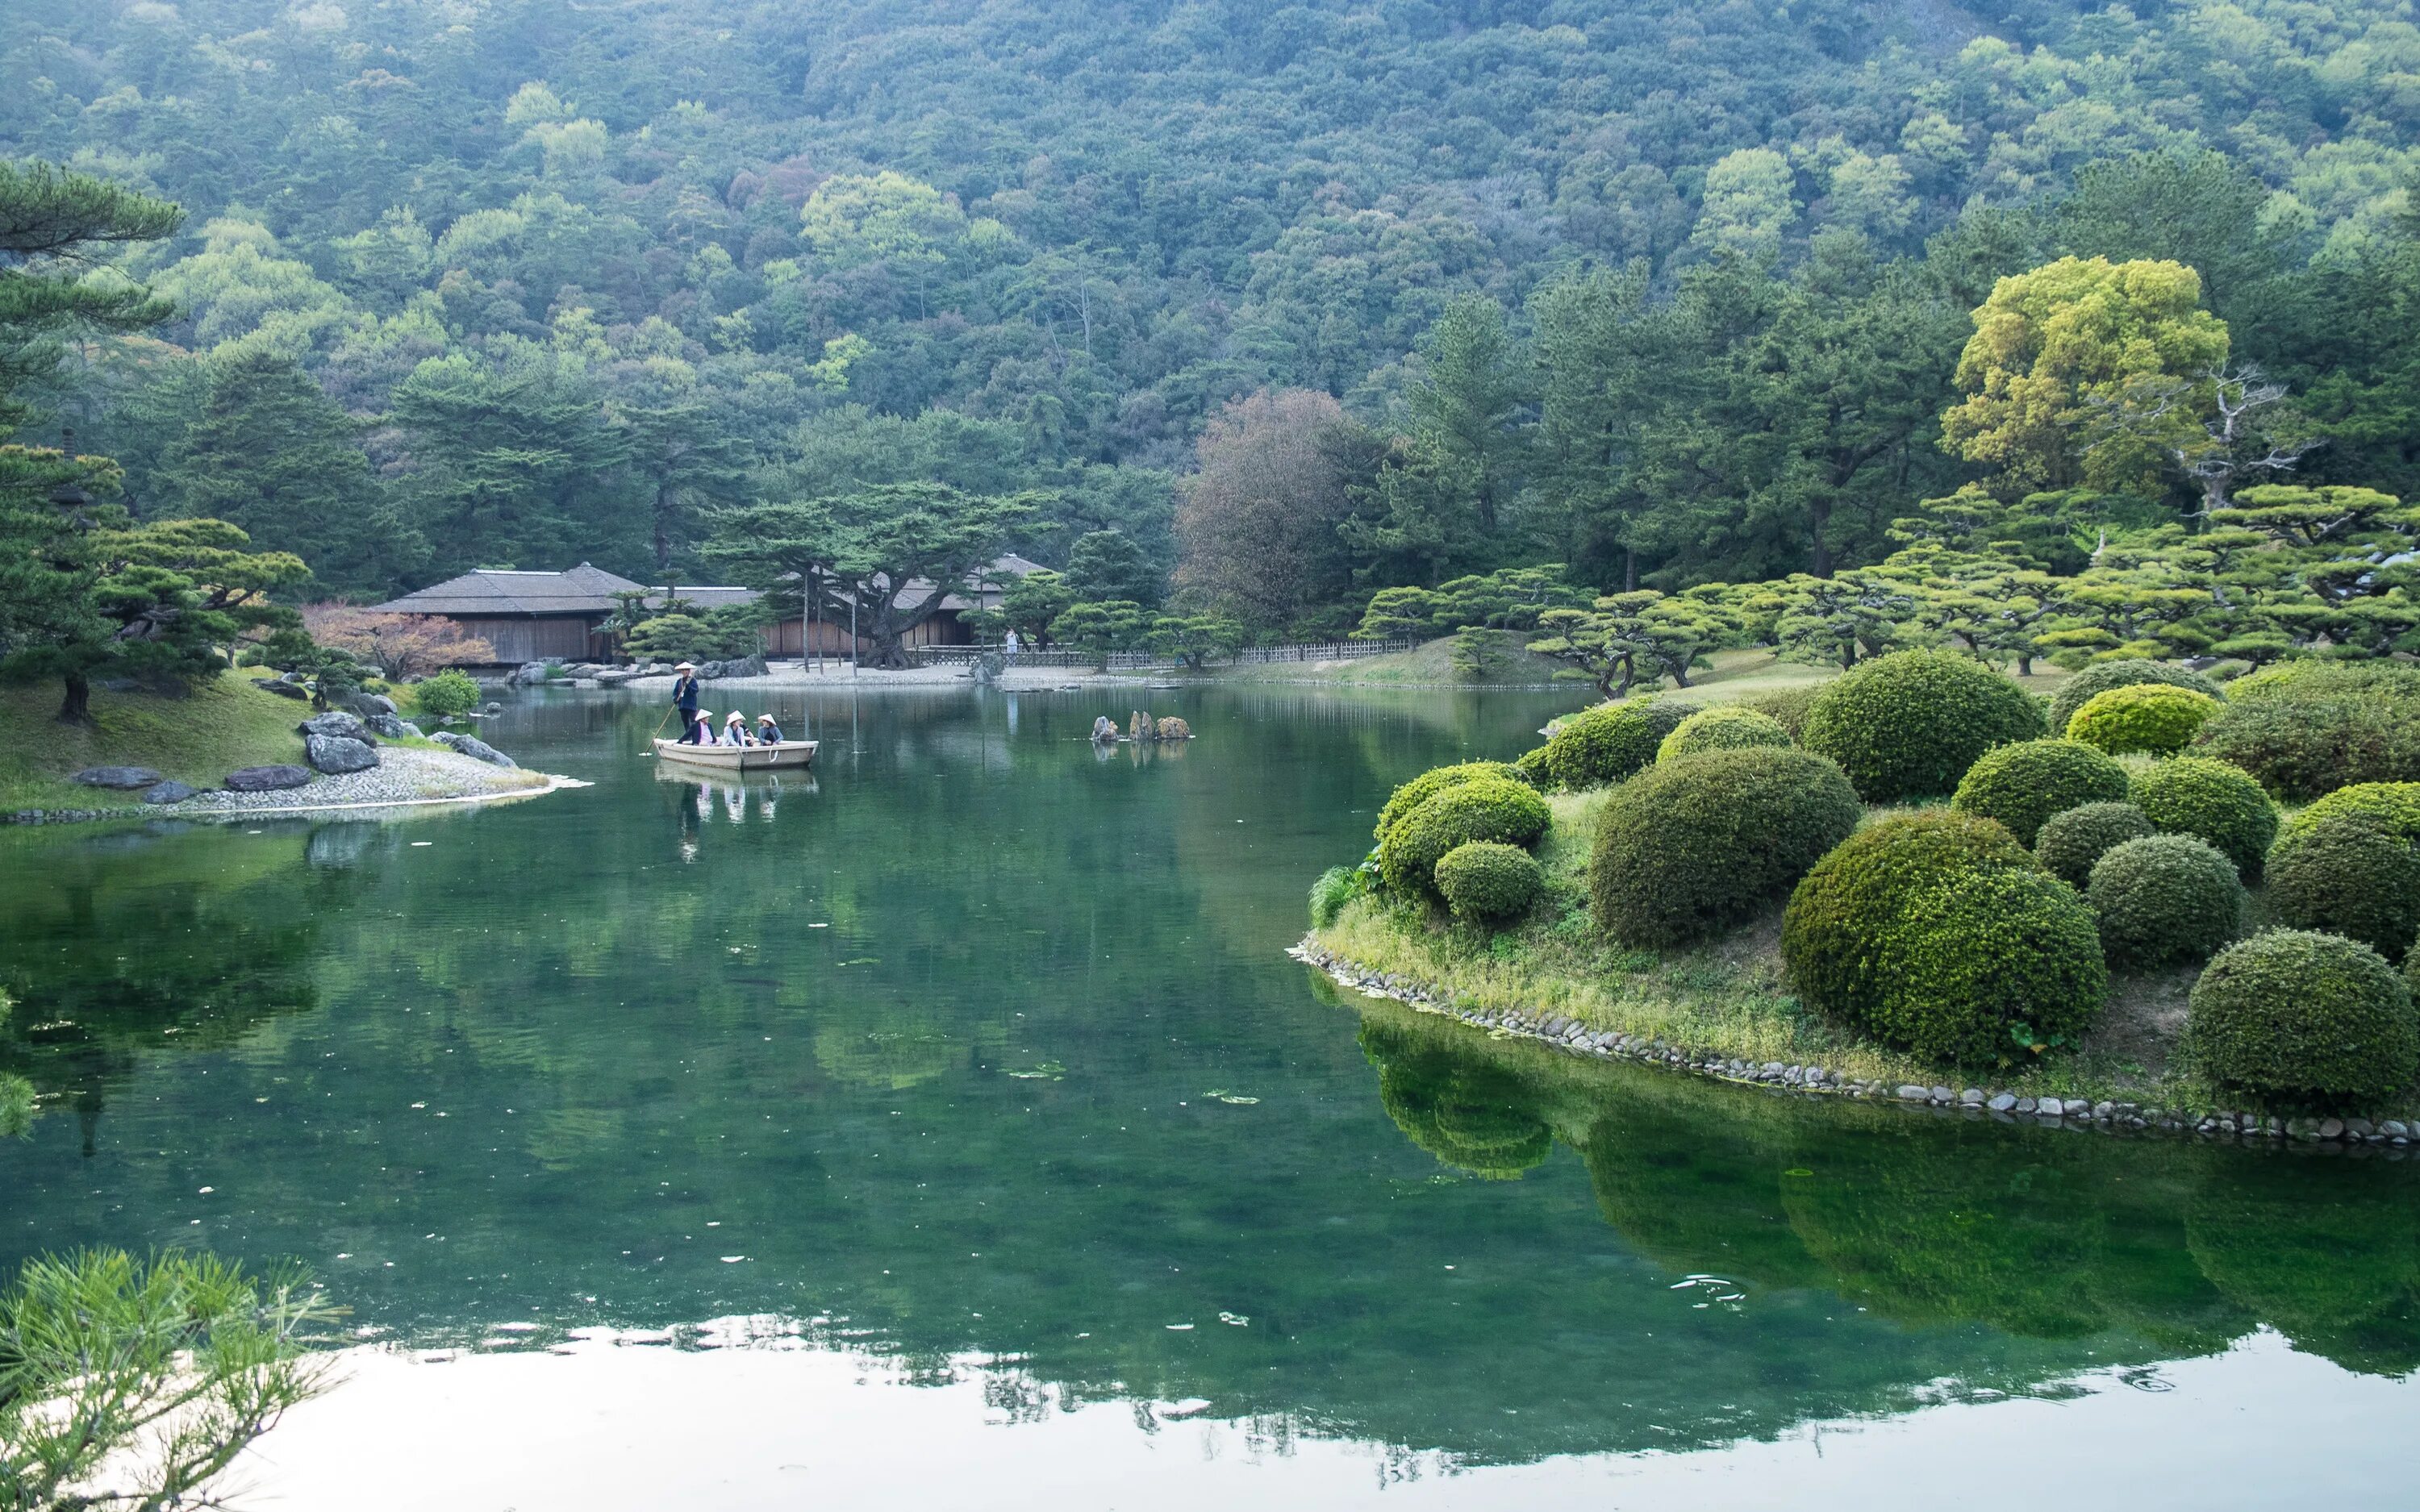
(953, 1122)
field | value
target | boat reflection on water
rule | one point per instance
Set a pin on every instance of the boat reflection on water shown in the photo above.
(732, 800)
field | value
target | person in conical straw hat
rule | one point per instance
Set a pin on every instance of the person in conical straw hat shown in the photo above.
(700, 730)
(768, 732)
(734, 729)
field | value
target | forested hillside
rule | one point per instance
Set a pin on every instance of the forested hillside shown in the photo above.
(1668, 292)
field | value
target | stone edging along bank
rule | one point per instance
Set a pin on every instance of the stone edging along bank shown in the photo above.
(2350, 1135)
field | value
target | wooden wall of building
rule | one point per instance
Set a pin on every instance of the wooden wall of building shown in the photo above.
(517, 639)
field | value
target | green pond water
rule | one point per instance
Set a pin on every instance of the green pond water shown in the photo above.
(983, 1045)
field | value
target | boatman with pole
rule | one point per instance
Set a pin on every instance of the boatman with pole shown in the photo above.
(685, 696)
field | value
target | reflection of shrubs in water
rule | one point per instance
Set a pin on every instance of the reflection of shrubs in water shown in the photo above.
(1694, 1198)
(1968, 1230)
(1471, 1116)
(2325, 1252)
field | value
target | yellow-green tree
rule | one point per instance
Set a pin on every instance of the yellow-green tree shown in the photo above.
(2053, 345)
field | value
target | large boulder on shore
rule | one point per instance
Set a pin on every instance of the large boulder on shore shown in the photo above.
(122, 779)
(285, 689)
(267, 778)
(335, 724)
(479, 750)
(171, 791)
(388, 727)
(335, 755)
(370, 705)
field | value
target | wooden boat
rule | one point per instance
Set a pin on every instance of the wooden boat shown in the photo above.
(786, 756)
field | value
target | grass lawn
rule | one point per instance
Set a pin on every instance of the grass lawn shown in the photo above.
(1504, 661)
(198, 739)
(1729, 995)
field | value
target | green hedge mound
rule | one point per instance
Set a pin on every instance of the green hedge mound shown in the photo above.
(1707, 840)
(1908, 725)
(1607, 743)
(1487, 880)
(1785, 707)
(2025, 785)
(2127, 671)
(2071, 843)
(1486, 808)
(1725, 727)
(2221, 804)
(1434, 781)
(1934, 931)
(2304, 1019)
(2309, 728)
(2155, 718)
(2349, 864)
(2165, 900)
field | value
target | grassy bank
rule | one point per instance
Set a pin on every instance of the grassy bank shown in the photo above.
(1729, 996)
(1500, 659)
(198, 738)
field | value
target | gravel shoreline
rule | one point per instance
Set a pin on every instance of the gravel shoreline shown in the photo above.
(2389, 1139)
(405, 775)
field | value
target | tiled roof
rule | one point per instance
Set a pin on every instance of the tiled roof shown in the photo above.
(587, 589)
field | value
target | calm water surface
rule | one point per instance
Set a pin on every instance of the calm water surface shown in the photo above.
(953, 1124)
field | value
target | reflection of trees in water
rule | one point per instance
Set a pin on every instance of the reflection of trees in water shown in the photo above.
(136, 942)
(1943, 1222)
(1473, 1116)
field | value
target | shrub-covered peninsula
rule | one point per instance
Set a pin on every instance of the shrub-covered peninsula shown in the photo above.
(2154, 899)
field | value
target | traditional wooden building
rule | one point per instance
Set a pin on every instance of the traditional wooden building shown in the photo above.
(540, 616)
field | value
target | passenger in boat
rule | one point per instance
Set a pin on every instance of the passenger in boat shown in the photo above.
(768, 732)
(685, 695)
(700, 730)
(735, 730)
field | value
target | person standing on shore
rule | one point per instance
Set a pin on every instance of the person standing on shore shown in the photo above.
(1009, 647)
(685, 696)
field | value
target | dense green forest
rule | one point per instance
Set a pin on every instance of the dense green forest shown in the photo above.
(1666, 293)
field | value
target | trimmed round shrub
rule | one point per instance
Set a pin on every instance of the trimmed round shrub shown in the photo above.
(1705, 840)
(2349, 864)
(2303, 1018)
(1486, 880)
(2069, 843)
(1909, 724)
(1934, 931)
(1785, 707)
(2127, 671)
(2024, 784)
(1725, 727)
(2150, 716)
(1486, 808)
(2163, 899)
(1530, 767)
(2196, 795)
(1607, 743)
(1434, 781)
(445, 695)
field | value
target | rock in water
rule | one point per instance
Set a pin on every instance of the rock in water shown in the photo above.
(336, 755)
(124, 778)
(1104, 731)
(1172, 728)
(474, 749)
(1138, 726)
(336, 725)
(267, 778)
(169, 792)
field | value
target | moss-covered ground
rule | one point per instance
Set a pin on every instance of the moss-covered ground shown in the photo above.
(198, 738)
